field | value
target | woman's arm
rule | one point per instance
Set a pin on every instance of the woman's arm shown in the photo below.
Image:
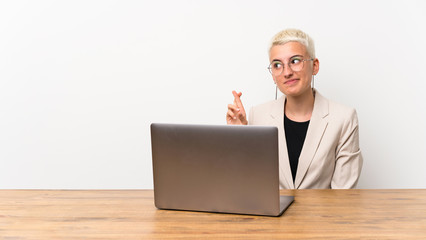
(348, 156)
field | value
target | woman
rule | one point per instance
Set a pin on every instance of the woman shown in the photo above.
(318, 138)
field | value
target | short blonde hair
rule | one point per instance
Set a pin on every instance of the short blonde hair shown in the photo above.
(294, 35)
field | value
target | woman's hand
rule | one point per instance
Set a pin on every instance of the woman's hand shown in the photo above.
(236, 114)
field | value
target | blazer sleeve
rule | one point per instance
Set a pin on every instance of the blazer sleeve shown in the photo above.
(348, 155)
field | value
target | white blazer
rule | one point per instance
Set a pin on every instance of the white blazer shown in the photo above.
(330, 157)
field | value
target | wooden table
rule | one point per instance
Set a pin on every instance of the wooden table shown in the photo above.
(131, 214)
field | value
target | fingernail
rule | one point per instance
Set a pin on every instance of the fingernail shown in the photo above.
(238, 109)
(235, 118)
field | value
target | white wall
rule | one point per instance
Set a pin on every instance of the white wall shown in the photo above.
(81, 81)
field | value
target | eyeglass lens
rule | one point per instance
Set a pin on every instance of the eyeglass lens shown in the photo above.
(295, 64)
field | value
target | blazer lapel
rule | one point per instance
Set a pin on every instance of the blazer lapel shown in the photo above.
(317, 126)
(277, 116)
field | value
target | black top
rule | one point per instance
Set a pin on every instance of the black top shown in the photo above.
(295, 133)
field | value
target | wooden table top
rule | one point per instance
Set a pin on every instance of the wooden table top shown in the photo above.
(131, 214)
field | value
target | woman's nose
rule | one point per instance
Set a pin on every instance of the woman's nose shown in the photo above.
(287, 72)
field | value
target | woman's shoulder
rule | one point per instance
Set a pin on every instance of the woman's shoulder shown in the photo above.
(337, 107)
(339, 111)
(334, 106)
(261, 114)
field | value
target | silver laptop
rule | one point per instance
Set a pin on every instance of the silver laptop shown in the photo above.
(217, 168)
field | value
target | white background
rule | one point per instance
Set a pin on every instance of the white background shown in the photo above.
(81, 81)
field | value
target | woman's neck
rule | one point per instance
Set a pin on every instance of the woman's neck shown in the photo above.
(299, 108)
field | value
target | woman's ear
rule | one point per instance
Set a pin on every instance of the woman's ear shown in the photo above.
(315, 67)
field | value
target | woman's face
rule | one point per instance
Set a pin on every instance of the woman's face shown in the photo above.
(293, 83)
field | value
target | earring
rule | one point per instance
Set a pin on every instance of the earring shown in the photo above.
(276, 90)
(313, 81)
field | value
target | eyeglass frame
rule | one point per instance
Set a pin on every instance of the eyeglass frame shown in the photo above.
(288, 64)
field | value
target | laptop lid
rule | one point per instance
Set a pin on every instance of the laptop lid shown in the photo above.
(217, 168)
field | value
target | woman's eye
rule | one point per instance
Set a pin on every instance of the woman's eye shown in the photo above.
(277, 65)
(295, 61)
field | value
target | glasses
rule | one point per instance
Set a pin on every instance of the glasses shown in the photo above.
(295, 64)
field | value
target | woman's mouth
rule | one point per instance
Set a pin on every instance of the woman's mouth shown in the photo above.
(291, 81)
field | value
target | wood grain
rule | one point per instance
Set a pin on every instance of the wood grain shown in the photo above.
(131, 214)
